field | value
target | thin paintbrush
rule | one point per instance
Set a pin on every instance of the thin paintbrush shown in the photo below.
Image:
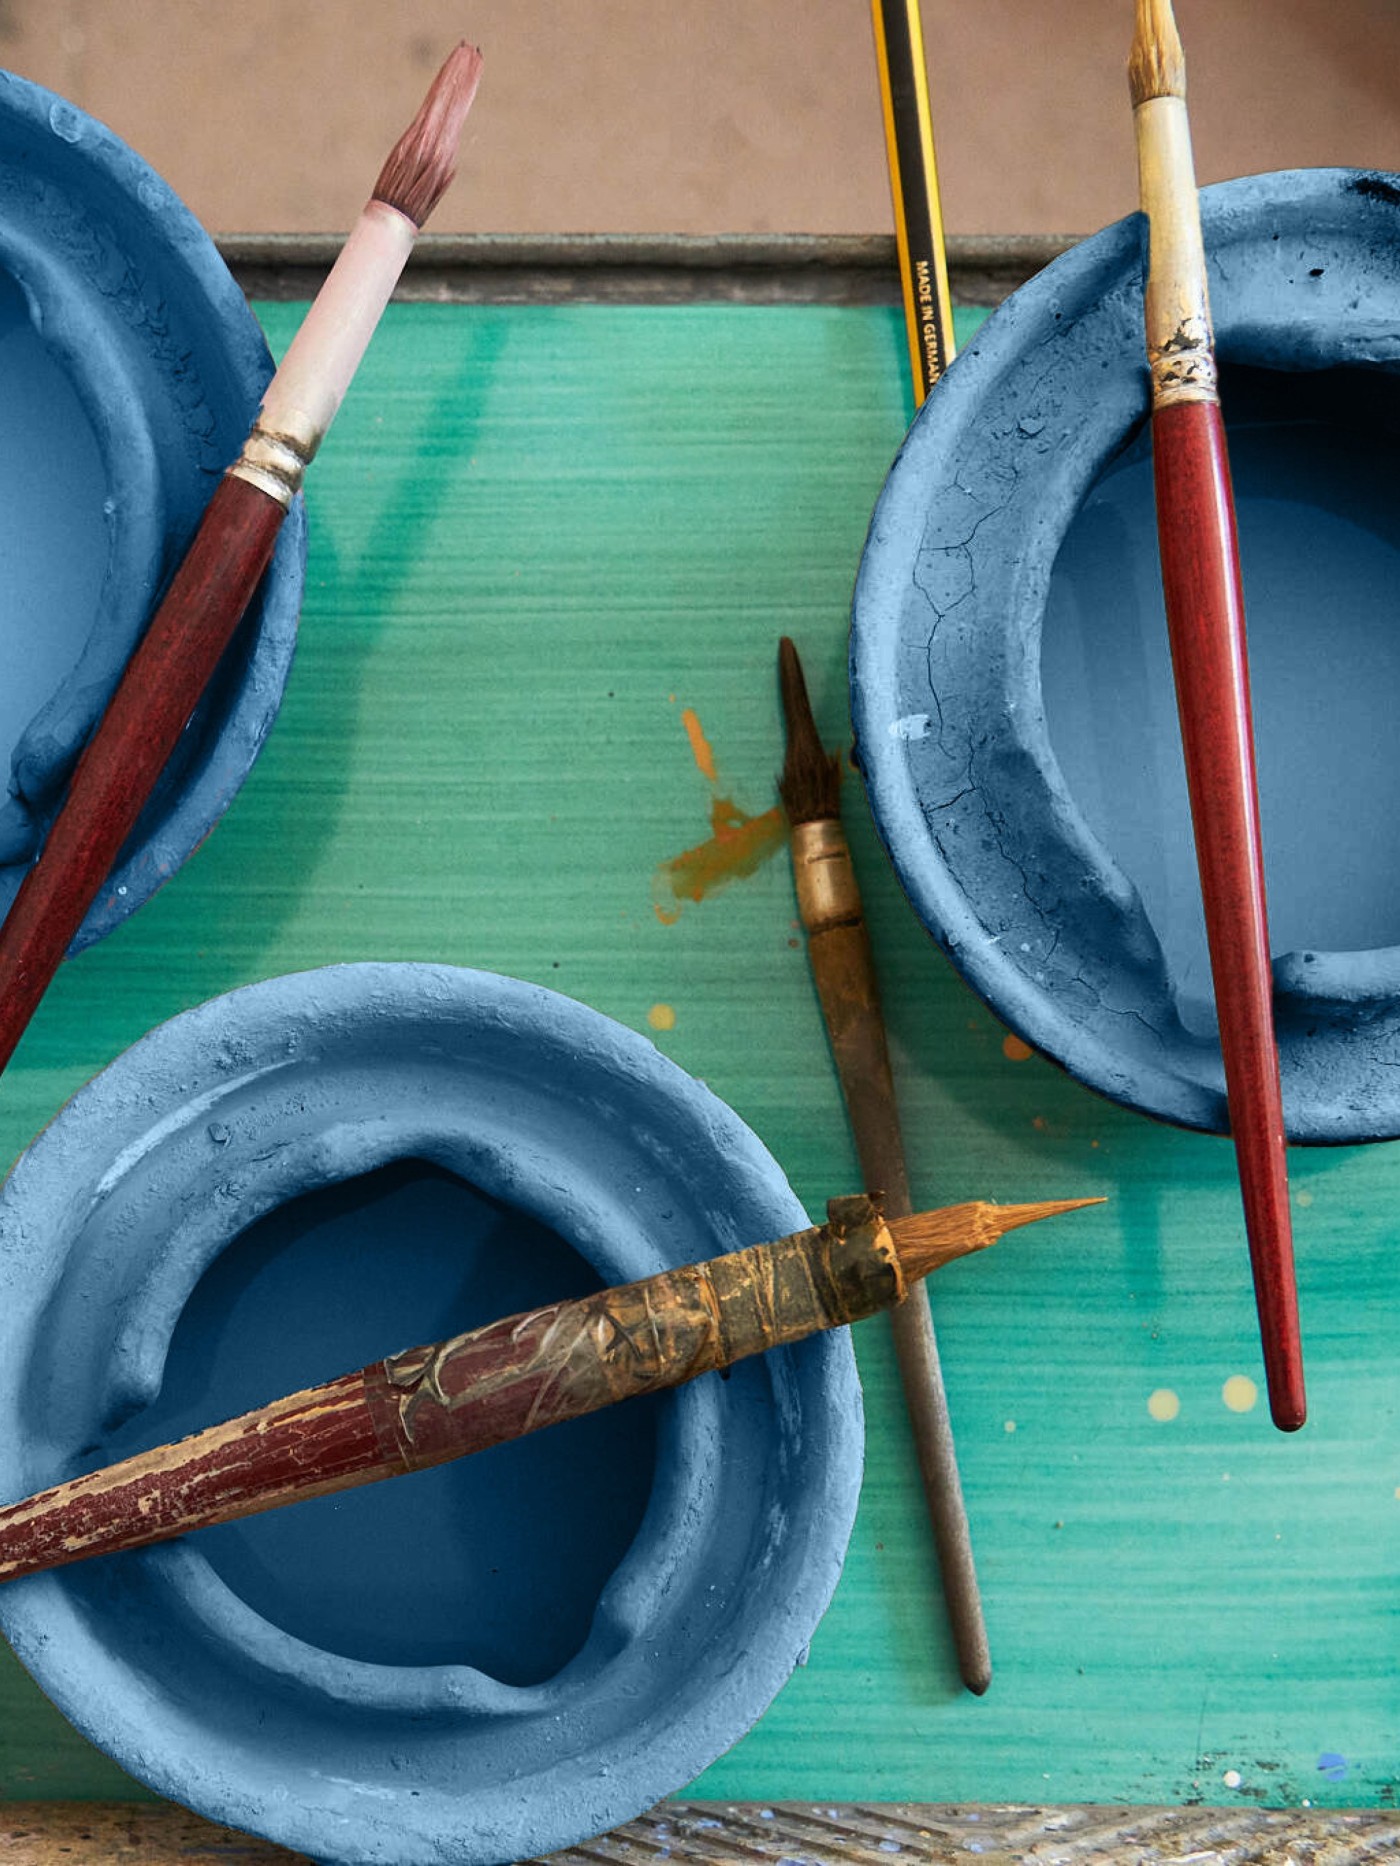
(843, 968)
(918, 215)
(215, 583)
(1205, 618)
(437, 1403)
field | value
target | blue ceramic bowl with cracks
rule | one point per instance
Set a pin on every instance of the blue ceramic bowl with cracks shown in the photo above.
(1011, 682)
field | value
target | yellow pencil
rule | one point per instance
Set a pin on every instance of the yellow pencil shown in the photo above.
(918, 217)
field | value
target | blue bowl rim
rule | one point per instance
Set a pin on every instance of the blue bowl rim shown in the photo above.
(175, 827)
(1181, 1084)
(249, 1030)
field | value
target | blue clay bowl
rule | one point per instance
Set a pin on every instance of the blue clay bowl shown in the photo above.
(1011, 682)
(477, 1663)
(131, 370)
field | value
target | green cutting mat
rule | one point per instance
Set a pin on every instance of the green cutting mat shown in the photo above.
(552, 552)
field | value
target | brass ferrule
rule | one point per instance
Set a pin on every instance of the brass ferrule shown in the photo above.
(827, 894)
(275, 461)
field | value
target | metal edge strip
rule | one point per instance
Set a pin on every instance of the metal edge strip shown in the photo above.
(611, 268)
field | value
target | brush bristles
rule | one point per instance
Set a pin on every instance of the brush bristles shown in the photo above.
(1156, 64)
(424, 159)
(810, 785)
(927, 1240)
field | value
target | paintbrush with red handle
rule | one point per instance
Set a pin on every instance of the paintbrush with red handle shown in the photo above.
(434, 1404)
(1205, 619)
(215, 583)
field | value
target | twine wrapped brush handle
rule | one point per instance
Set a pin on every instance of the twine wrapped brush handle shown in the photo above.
(214, 585)
(513, 1377)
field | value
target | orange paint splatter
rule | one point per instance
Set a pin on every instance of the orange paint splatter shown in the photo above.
(700, 748)
(1015, 1049)
(739, 846)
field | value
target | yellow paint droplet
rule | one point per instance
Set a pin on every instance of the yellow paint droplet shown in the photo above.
(1164, 1404)
(1010, 1426)
(1014, 1050)
(1305, 1198)
(1240, 1393)
(662, 1016)
(1093, 1143)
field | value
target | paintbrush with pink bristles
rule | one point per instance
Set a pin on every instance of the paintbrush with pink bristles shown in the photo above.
(215, 583)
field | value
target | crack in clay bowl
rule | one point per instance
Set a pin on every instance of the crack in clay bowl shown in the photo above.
(477, 1663)
(1011, 683)
(130, 368)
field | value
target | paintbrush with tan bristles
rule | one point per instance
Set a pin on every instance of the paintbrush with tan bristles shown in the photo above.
(215, 583)
(843, 970)
(438, 1403)
(1205, 619)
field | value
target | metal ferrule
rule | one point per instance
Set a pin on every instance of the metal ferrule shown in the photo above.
(1183, 368)
(275, 461)
(827, 895)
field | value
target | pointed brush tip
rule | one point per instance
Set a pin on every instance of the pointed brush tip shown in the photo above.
(423, 161)
(925, 1241)
(792, 682)
(1009, 1217)
(810, 783)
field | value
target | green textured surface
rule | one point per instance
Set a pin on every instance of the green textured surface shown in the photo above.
(537, 536)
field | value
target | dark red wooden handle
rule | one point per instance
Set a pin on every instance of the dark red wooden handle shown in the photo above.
(1205, 615)
(132, 742)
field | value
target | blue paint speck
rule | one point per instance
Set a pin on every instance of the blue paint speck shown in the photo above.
(1333, 1766)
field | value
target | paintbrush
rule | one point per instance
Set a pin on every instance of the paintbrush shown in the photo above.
(843, 969)
(918, 215)
(433, 1404)
(214, 584)
(1205, 619)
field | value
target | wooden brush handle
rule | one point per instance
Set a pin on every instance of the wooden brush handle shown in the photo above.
(433, 1404)
(843, 969)
(843, 966)
(133, 740)
(1205, 616)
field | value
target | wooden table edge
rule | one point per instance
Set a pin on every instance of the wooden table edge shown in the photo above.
(863, 1833)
